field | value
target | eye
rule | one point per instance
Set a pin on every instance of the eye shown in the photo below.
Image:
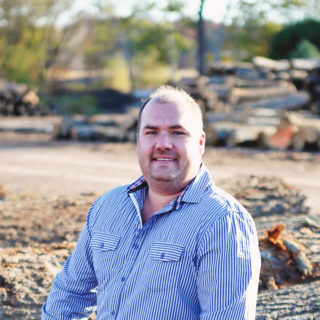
(178, 132)
(150, 132)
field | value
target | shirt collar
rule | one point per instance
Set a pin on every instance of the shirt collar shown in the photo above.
(193, 191)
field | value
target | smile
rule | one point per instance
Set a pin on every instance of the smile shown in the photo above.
(164, 159)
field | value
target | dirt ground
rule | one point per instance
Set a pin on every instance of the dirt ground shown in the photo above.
(47, 187)
(42, 167)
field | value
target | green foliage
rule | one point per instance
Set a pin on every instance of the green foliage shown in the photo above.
(127, 46)
(288, 39)
(118, 75)
(305, 49)
(252, 39)
(255, 23)
(102, 43)
(28, 38)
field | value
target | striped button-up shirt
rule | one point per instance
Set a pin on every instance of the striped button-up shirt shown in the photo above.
(196, 258)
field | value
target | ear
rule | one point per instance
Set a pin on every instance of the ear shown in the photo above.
(202, 142)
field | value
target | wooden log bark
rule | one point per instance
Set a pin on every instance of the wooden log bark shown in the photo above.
(239, 95)
(305, 64)
(286, 102)
(30, 124)
(266, 63)
(300, 301)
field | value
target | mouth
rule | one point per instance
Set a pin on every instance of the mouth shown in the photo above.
(164, 159)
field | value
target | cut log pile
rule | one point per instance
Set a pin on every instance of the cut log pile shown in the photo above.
(118, 127)
(266, 104)
(248, 104)
(17, 99)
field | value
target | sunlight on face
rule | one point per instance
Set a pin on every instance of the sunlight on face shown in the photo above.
(170, 142)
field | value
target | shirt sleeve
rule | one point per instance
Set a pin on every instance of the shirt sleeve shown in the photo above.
(228, 269)
(73, 295)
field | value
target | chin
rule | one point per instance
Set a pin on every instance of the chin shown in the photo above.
(162, 178)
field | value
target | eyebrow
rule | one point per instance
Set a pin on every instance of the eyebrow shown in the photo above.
(151, 127)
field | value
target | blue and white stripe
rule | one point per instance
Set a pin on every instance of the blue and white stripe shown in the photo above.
(197, 258)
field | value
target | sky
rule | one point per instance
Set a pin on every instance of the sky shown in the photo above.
(214, 10)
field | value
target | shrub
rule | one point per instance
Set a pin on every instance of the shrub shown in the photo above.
(286, 41)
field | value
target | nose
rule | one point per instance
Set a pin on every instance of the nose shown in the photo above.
(163, 142)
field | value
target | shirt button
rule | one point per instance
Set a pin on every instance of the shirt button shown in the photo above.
(123, 279)
(135, 246)
(162, 255)
(113, 312)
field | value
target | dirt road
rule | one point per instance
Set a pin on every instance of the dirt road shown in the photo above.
(74, 168)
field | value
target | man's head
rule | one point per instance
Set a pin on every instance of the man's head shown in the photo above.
(170, 139)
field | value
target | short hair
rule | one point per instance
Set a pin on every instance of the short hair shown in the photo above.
(165, 94)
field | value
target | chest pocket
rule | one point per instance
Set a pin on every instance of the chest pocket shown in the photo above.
(102, 241)
(105, 255)
(163, 266)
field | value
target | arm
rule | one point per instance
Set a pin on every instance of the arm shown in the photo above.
(228, 269)
(72, 296)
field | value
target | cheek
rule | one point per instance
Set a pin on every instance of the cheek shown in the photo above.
(143, 148)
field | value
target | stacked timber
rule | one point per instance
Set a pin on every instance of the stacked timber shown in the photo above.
(248, 103)
(18, 99)
(296, 130)
(117, 127)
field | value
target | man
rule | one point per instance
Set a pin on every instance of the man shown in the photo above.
(169, 246)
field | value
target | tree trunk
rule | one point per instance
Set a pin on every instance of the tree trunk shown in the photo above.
(220, 40)
(201, 40)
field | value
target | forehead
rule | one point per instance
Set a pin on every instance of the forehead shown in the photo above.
(168, 111)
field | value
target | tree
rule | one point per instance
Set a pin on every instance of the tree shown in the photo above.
(201, 39)
(28, 38)
(138, 41)
(305, 49)
(287, 40)
(253, 25)
(221, 34)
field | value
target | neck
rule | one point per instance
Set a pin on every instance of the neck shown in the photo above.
(155, 201)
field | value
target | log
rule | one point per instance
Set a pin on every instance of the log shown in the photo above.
(304, 264)
(308, 124)
(286, 102)
(305, 64)
(45, 125)
(239, 95)
(295, 131)
(18, 99)
(97, 133)
(111, 127)
(222, 91)
(231, 133)
(288, 242)
(275, 65)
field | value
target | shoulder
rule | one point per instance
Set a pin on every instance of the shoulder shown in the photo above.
(109, 200)
(229, 226)
(114, 194)
(224, 214)
(219, 203)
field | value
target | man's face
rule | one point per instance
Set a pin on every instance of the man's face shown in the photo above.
(170, 143)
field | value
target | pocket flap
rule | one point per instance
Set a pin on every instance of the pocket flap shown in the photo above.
(104, 241)
(161, 251)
